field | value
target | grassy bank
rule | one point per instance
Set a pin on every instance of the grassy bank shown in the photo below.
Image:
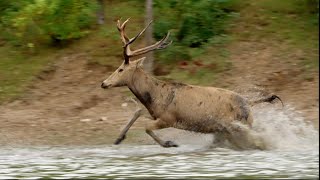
(287, 22)
(19, 66)
(284, 22)
(18, 69)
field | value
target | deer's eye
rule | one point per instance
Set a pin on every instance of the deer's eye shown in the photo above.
(120, 70)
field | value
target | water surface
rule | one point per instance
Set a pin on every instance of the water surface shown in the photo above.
(293, 154)
(152, 161)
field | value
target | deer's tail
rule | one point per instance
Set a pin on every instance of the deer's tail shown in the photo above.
(269, 99)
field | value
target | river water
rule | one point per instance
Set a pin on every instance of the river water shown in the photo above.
(150, 161)
(293, 153)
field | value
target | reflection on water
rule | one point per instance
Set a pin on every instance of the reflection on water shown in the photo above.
(152, 161)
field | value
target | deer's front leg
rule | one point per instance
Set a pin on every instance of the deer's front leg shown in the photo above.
(159, 125)
(123, 133)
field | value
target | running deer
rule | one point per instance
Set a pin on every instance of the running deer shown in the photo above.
(187, 107)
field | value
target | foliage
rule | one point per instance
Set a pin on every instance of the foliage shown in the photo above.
(313, 6)
(42, 21)
(11, 6)
(192, 23)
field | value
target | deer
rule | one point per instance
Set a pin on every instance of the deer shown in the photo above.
(201, 109)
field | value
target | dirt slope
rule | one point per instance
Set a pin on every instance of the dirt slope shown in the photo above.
(262, 59)
(256, 67)
(65, 104)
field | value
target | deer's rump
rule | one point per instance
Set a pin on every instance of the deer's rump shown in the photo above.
(206, 109)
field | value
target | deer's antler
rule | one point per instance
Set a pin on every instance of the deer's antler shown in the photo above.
(127, 52)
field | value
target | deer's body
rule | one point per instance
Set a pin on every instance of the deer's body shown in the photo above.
(192, 108)
(187, 107)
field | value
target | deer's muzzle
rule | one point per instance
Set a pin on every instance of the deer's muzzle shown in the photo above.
(105, 86)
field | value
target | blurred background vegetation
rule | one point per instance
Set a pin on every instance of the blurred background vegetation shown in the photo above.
(34, 33)
(30, 23)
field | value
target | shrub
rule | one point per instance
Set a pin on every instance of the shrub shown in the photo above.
(192, 23)
(42, 21)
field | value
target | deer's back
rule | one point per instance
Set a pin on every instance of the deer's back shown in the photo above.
(207, 108)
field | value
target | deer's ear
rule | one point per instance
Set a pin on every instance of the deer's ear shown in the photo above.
(140, 62)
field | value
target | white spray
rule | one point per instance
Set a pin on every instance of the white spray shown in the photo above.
(284, 128)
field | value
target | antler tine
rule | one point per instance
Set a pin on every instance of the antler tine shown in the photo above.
(158, 45)
(119, 24)
(121, 28)
(165, 43)
(127, 52)
(140, 33)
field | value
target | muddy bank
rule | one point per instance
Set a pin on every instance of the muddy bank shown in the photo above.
(66, 106)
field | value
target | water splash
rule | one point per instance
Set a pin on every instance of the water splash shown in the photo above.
(274, 128)
(284, 128)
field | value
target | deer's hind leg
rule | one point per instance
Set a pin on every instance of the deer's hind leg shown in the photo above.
(159, 124)
(220, 138)
(242, 138)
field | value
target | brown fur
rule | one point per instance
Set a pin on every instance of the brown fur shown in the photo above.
(182, 106)
(189, 107)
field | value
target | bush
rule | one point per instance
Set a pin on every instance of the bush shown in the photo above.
(41, 21)
(192, 23)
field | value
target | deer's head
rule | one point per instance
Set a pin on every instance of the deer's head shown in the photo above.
(124, 73)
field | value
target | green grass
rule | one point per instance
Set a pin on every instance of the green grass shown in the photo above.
(287, 22)
(17, 69)
(215, 59)
(296, 27)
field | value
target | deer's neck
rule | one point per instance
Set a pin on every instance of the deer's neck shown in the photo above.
(149, 91)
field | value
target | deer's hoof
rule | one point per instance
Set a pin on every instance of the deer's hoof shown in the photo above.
(119, 140)
(170, 144)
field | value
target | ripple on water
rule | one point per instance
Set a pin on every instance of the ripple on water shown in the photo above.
(155, 162)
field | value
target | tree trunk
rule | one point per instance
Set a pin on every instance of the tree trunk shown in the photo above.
(148, 36)
(100, 13)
